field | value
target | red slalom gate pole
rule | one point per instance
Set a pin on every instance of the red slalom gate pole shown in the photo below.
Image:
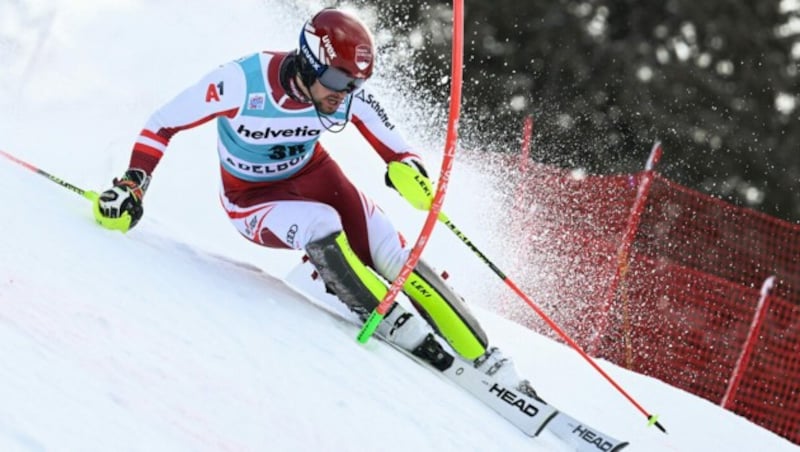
(626, 243)
(525, 151)
(444, 178)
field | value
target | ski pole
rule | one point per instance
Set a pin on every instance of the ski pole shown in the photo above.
(88, 194)
(416, 189)
(121, 224)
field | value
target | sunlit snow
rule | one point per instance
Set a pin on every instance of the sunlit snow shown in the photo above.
(181, 336)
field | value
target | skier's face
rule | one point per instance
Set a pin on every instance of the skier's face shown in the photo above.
(327, 101)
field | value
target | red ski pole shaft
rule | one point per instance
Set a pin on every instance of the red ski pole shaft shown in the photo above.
(416, 189)
(88, 194)
(653, 419)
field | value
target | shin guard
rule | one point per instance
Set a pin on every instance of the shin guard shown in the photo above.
(344, 273)
(446, 311)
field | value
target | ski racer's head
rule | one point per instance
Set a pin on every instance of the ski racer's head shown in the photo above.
(336, 50)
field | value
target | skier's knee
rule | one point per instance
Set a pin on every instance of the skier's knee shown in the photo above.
(324, 221)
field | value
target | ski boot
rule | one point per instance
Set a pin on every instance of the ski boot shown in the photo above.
(411, 333)
(493, 363)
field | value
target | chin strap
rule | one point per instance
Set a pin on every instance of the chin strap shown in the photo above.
(333, 126)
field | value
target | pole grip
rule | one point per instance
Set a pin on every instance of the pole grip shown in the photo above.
(121, 224)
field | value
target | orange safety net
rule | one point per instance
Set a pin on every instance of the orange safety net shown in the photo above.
(687, 296)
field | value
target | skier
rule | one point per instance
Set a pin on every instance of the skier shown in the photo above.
(281, 189)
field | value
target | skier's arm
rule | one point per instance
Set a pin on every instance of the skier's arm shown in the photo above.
(219, 93)
(374, 123)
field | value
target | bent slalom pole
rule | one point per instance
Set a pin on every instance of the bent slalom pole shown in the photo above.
(119, 224)
(435, 205)
(416, 189)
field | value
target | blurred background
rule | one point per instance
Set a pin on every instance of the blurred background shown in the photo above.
(716, 81)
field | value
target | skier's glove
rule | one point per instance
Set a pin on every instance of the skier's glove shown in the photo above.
(125, 196)
(412, 161)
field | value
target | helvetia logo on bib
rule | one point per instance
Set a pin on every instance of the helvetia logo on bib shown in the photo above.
(269, 132)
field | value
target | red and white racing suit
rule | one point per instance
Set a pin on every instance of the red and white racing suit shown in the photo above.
(280, 187)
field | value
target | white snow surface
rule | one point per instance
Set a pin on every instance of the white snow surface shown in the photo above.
(181, 335)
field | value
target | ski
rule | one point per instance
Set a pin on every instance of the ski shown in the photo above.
(582, 436)
(529, 414)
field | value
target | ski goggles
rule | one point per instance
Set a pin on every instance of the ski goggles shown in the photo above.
(338, 80)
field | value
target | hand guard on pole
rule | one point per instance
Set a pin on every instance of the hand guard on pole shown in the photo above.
(412, 161)
(120, 207)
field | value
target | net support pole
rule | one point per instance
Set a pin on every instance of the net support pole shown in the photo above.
(749, 344)
(624, 248)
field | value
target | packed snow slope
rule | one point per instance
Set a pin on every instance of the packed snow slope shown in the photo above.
(181, 335)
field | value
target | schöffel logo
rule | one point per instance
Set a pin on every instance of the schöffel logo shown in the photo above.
(277, 133)
(372, 102)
